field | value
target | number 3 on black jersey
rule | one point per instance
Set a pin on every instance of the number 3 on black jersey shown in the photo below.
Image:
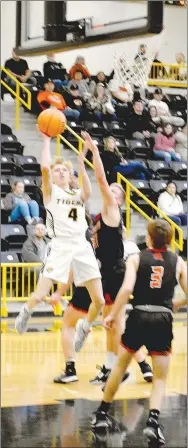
(156, 276)
(73, 214)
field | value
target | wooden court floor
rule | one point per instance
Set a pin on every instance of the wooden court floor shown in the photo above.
(30, 362)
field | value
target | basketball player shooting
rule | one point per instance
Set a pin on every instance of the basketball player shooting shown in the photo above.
(151, 277)
(68, 253)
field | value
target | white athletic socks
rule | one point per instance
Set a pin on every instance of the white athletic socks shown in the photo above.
(110, 360)
(86, 326)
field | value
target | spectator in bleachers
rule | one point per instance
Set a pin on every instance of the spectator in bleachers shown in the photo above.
(181, 142)
(179, 73)
(19, 68)
(101, 104)
(55, 71)
(154, 119)
(34, 248)
(157, 71)
(113, 161)
(120, 93)
(20, 205)
(73, 98)
(139, 125)
(78, 80)
(170, 203)
(99, 78)
(163, 109)
(48, 98)
(79, 65)
(142, 53)
(165, 144)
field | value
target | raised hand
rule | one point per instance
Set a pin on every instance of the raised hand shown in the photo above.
(88, 141)
(108, 322)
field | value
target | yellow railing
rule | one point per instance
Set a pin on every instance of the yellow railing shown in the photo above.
(16, 93)
(168, 75)
(18, 280)
(129, 186)
(129, 203)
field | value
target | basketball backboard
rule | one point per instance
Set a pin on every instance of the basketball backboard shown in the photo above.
(62, 26)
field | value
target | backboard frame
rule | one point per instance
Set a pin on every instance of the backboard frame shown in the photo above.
(152, 24)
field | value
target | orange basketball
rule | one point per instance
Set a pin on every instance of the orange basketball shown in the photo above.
(51, 122)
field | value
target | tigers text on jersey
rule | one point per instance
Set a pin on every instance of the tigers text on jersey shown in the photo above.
(66, 214)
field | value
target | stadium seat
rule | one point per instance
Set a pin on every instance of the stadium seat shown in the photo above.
(8, 167)
(178, 113)
(116, 129)
(9, 257)
(123, 111)
(179, 169)
(99, 143)
(76, 127)
(161, 168)
(121, 145)
(144, 187)
(4, 244)
(157, 186)
(14, 235)
(10, 144)
(5, 129)
(5, 186)
(29, 165)
(4, 215)
(177, 102)
(182, 189)
(94, 128)
(138, 149)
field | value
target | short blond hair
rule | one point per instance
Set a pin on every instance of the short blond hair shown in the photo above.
(61, 161)
(115, 184)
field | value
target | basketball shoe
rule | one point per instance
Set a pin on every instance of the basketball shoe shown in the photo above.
(68, 376)
(21, 321)
(102, 420)
(153, 432)
(102, 377)
(146, 371)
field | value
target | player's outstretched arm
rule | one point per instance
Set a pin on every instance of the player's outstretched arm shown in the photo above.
(126, 289)
(180, 302)
(46, 169)
(86, 184)
(100, 175)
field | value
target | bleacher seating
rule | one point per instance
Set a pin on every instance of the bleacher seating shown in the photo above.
(14, 164)
(14, 235)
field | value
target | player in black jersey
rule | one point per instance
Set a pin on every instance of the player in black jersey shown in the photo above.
(151, 277)
(109, 247)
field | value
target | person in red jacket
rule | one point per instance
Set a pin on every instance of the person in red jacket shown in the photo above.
(165, 143)
(48, 98)
(79, 65)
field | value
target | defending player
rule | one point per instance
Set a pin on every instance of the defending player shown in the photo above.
(110, 252)
(68, 249)
(151, 276)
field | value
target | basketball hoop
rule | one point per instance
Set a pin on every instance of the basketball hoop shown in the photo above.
(135, 71)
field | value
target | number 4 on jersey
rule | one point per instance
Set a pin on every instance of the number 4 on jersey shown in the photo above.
(73, 214)
(156, 276)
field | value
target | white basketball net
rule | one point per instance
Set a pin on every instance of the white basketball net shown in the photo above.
(136, 71)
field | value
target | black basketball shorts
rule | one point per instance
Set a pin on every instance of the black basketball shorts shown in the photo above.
(112, 281)
(81, 299)
(152, 329)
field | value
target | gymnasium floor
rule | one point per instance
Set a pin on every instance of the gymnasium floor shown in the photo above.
(38, 413)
